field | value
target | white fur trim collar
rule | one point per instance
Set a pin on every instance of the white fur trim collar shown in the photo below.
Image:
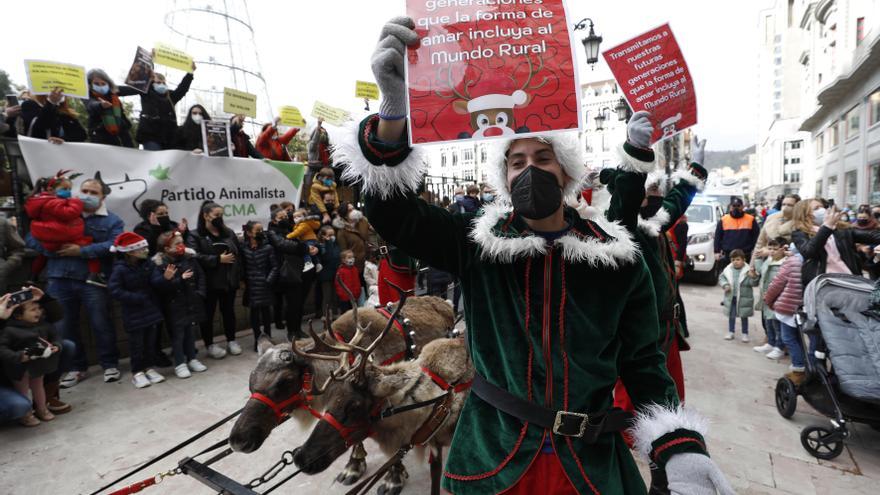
(655, 420)
(629, 163)
(652, 226)
(378, 180)
(618, 248)
(689, 177)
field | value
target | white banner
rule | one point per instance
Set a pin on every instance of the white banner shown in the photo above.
(244, 187)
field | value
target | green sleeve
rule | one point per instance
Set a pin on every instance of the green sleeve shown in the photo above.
(627, 185)
(678, 199)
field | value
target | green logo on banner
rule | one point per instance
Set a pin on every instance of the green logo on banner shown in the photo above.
(160, 172)
(295, 172)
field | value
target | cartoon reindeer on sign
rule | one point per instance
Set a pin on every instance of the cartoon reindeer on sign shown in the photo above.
(492, 101)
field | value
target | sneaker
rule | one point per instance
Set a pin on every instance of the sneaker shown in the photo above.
(197, 366)
(796, 369)
(729, 336)
(154, 376)
(29, 420)
(182, 371)
(763, 348)
(97, 279)
(308, 265)
(776, 353)
(111, 375)
(216, 352)
(234, 348)
(71, 378)
(745, 338)
(140, 380)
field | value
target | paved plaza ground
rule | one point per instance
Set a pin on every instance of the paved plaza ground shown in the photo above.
(115, 427)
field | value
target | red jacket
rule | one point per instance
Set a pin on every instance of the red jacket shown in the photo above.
(352, 279)
(275, 149)
(399, 276)
(786, 293)
(55, 220)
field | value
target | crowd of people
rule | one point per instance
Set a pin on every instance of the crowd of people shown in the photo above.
(777, 251)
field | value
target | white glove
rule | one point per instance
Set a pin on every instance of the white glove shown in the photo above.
(695, 474)
(388, 62)
(639, 130)
(698, 150)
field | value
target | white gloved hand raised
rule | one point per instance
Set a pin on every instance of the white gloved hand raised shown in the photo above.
(639, 130)
(388, 62)
(695, 474)
(698, 150)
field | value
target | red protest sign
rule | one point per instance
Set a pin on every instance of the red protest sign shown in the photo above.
(484, 71)
(654, 76)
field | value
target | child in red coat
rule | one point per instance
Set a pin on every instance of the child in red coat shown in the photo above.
(347, 274)
(56, 220)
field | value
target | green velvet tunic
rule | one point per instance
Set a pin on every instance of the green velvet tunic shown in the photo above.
(554, 323)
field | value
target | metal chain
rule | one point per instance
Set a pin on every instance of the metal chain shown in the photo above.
(272, 472)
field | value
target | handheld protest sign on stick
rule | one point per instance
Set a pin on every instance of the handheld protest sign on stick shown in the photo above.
(291, 116)
(239, 102)
(44, 76)
(654, 77)
(172, 57)
(366, 90)
(486, 71)
(140, 76)
(331, 115)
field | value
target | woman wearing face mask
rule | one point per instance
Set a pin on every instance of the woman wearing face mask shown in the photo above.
(274, 146)
(241, 142)
(864, 219)
(157, 129)
(156, 221)
(50, 117)
(189, 134)
(108, 123)
(260, 266)
(827, 244)
(353, 233)
(217, 249)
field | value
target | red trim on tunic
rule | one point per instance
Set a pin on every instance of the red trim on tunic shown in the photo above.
(580, 466)
(487, 474)
(562, 342)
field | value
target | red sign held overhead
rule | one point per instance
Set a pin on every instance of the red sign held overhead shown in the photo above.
(490, 69)
(654, 76)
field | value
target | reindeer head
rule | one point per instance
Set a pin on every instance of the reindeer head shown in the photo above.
(354, 406)
(491, 101)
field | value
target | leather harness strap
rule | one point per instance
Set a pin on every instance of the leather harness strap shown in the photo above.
(407, 353)
(300, 399)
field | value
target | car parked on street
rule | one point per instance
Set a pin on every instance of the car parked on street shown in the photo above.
(702, 216)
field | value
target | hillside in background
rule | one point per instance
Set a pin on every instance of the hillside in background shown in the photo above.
(733, 159)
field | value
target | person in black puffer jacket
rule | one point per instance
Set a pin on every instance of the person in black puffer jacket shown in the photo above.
(218, 250)
(279, 223)
(158, 124)
(292, 281)
(260, 267)
(180, 282)
(130, 285)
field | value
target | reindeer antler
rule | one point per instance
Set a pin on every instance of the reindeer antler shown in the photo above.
(533, 71)
(466, 95)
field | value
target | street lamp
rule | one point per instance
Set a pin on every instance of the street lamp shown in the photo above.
(622, 109)
(601, 117)
(591, 42)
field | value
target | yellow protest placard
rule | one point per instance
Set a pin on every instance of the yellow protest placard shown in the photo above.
(235, 102)
(290, 116)
(44, 76)
(172, 57)
(331, 115)
(367, 90)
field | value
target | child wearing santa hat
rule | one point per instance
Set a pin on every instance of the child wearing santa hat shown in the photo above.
(130, 285)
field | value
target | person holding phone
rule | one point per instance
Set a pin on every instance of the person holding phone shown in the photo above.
(50, 117)
(218, 250)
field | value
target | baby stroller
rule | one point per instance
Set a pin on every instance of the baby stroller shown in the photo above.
(843, 374)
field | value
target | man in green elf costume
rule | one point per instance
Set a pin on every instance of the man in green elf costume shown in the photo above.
(642, 201)
(557, 309)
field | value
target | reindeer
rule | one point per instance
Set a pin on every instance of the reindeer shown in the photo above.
(364, 403)
(492, 112)
(283, 378)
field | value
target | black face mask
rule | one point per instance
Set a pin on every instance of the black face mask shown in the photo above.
(736, 213)
(164, 222)
(535, 193)
(217, 222)
(260, 237)
(653, 206)
(863, 221)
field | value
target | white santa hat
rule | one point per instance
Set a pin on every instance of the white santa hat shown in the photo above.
(495, 92)
(127, 242)
(569, 154)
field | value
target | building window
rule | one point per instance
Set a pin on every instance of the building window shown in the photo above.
(874, 170)
(467, 155)
(833, 135)
(443, 160)
(606, 163)
(852, 123)
(795, 161)
(820, 144)
(482, 154)
(790, 13)
(605, 143)
(874, 108)
(818, 188)
(832, 188)
(796, 145)
(588, 140)
(851, 179)
(860, 30)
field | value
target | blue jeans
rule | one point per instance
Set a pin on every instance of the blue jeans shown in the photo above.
(774, 336)
(792, 339)
(72, 295)
(151, 146)
(13, 405)
(731, 319)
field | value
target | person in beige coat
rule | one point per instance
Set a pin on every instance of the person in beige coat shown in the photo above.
(776, 225)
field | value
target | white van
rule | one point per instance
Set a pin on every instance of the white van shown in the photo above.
(702, 216)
